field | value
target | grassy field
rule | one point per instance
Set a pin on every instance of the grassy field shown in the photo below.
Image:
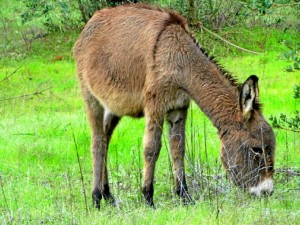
(45, 162)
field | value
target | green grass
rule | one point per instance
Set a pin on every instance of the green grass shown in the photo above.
(40, 179)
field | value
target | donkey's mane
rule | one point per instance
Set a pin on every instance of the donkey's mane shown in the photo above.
(175, 18)
(223, 71)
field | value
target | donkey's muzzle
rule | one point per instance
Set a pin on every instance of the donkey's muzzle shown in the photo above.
(263, 188)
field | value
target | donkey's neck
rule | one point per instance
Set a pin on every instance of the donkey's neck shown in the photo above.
(214, 93)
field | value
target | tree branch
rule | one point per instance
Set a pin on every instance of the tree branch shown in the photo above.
(228, 42)
(284, 5)
(287, 129)
(12, 73)
(36, 93)
(288, 171)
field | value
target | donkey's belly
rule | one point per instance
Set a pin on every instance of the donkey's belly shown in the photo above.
(123, 104)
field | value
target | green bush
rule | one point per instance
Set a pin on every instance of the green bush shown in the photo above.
(73, 14)
(61, 15)
(293, 55)
(285, 122)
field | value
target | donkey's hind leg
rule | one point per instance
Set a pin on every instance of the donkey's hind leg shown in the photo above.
(110, 122)
(177, 120)
(95, 114)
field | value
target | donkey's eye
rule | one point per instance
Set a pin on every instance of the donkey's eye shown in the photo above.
(257, 150)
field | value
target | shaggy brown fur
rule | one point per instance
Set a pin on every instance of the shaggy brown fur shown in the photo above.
(139, 60)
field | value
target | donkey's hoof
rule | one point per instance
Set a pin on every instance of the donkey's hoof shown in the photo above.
(190, 201)
(151, 205)
(96, 196)
(110, 200)
(187, 200)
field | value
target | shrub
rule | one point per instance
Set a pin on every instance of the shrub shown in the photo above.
(285, 122)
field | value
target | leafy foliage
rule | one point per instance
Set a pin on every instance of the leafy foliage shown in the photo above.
(262, 6)
(73, 14)
(297, 92)
(284, 122)
(292, 54)
(61, 15)
(54, 15)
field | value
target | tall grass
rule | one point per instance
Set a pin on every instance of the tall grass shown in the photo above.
(41, 181)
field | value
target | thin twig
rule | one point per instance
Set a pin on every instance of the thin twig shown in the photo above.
(36, 93)
(81, 174)
(287, 129)
(226, 41)
(284, 5)
(290, 172)
(12, 73)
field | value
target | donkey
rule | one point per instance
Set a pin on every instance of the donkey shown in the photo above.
(137, 60)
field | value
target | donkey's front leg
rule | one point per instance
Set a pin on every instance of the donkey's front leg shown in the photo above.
(152, 145)
(176, 120)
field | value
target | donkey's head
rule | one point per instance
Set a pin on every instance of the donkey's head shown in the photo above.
(248, 145)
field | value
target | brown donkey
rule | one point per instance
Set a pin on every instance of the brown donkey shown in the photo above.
(137, 60)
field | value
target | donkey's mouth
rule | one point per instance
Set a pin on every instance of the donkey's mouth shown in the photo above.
(263, 188)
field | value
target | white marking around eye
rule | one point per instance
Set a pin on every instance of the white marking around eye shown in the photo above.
(264, 186)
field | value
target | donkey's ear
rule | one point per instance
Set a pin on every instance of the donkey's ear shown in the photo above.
(249, 96)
